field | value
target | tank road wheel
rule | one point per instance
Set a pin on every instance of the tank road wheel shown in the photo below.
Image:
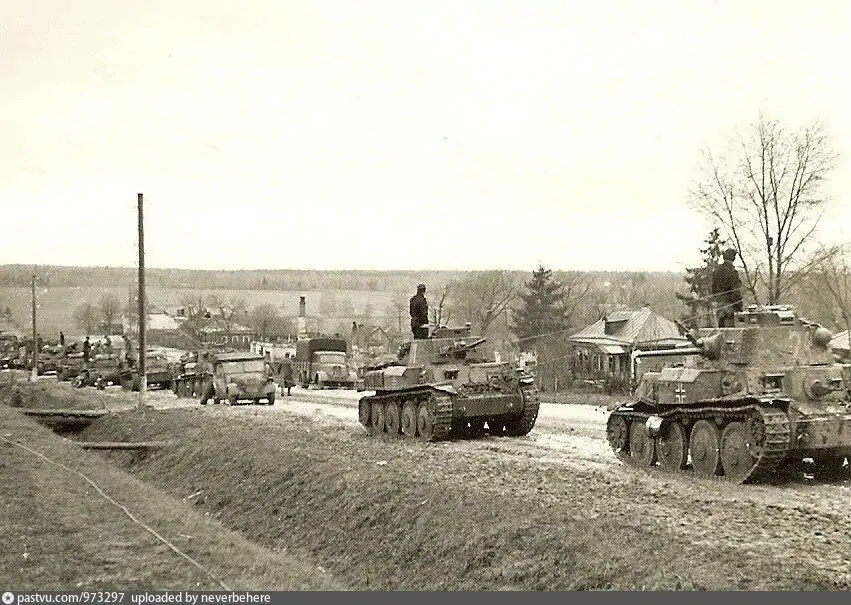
(703, 447)
(425, 423)
(496, 428)
(392, 418)
(409, 419)
(672, 447)
(377, 417)
(737, 458)
(617, 432)
(641, 445)
(364, 415)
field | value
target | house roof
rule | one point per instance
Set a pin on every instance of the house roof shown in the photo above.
(235, 329)
(635, 327)
(161, 321)
(840, 341)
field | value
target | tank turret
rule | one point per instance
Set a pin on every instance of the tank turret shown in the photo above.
(442, 387)
(744, 400)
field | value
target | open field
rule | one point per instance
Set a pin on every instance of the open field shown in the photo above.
(56, 305)
(553, 510)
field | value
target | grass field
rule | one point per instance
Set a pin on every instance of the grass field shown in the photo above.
(56, 305)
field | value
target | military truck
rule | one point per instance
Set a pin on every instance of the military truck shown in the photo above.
(442, 388)
(102, 370)
(747, 401)
(322, 362)
(49, 360)
(157, 373)
(238, 376)
(71, 365)
(8, 350)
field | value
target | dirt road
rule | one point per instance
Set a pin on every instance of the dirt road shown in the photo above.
(792, 535)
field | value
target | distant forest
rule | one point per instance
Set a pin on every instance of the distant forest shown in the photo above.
(280, 279)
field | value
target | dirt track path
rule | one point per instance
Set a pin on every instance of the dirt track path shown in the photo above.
(566, 460)
(801, 519)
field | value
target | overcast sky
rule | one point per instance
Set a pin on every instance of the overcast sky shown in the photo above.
(378, 135)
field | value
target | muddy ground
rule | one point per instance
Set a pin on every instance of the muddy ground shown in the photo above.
(553, 510)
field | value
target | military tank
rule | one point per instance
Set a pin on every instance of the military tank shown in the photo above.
(439, 388)
(748, 401)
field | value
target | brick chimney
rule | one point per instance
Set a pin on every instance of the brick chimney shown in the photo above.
(301, 322)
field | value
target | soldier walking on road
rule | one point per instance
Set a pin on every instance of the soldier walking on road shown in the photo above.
(287, 374)
(727, 289)
(419, 313)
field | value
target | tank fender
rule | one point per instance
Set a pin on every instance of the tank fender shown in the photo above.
(446, 388)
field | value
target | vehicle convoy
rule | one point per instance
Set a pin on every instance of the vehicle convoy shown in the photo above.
(440, 388)
(157, 373)
(71, 365)
(747, 401)
(322, 362)
(104, 369)
(9, 344)
(49, 360)
(188, 377)
(238, 376)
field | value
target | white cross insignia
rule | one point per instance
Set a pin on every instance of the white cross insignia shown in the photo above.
(680, 393)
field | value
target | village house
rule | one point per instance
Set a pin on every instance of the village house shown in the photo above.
(604, 349)
(373, 339)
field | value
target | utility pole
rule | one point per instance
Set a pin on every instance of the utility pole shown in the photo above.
(143, 382)
(34, 375)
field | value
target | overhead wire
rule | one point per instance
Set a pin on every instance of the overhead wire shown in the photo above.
(121, 507)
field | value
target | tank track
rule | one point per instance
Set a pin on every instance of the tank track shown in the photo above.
(774, 448)
(440, 405)
(531, 406)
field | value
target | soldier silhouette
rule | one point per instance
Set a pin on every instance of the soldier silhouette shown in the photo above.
(419, 313)
(726, 289)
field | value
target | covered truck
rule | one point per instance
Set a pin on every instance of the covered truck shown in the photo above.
(323, 362)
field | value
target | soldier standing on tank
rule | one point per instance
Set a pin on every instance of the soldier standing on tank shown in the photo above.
(419, 313)
(727, 289)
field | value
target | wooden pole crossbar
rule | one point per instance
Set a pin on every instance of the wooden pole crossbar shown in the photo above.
(122, 445)
(67, 413)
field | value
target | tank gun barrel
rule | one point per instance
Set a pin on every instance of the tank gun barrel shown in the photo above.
(671, 352)
(462, 348)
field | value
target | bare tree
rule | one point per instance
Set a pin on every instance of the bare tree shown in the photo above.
(833, 278)
(766, 193)
(109, 307)
(86, 317)
(228, 310)
(441, 312)
(481, 298)
(196, 315)
(264, 318)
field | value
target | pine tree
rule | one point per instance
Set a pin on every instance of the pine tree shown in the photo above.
(543, 307)
(699, 280)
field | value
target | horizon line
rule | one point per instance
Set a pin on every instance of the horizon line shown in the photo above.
(331, 270)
